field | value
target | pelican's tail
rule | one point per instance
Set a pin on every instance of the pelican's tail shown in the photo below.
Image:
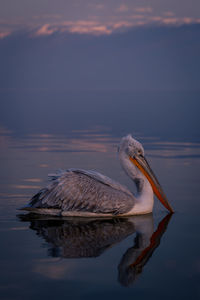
(41, 211)
(26, 207)
(34, 202)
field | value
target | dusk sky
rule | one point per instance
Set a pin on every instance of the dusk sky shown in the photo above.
(101, 45)
(45, 17)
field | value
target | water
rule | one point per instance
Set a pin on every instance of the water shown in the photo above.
(150, 256)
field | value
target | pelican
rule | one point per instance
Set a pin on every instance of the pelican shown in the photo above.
(77, 192)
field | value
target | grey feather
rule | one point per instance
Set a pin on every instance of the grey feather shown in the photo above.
(80, 190)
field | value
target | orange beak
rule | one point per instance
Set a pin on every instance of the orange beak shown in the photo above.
(143, 166)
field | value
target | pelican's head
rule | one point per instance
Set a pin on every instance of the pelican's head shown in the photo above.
(130, 146)
(135, 153)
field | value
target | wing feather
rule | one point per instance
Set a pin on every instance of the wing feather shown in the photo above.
(79, 190)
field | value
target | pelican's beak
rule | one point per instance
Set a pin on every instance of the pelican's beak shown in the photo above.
(142, 164)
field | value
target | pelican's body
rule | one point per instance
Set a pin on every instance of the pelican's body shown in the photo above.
(77, 192)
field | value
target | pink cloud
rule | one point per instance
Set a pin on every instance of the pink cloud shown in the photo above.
(169, 21)
(97, 26)
(84, 27)
(45, 30)
(96, 30)
(187, 20)
(100, 28)
(122, 24)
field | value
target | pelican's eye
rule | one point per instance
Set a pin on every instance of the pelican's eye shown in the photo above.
(140, 153)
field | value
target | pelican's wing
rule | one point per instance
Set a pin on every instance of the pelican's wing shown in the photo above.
(80, 190)
(103, 179)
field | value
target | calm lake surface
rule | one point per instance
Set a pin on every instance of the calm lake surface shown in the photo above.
(155, 256)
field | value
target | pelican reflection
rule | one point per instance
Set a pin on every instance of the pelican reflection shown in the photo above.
(84, 238)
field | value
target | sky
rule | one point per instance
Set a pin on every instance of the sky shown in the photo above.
(45, 17)
(100, 45)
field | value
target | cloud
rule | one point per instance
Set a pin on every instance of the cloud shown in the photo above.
(45, 30)
(85, 27)
(95, 27)
(81, 27)
(122, 24)
(187, 20)
(169, 21)
(141, 16)
(100, 29)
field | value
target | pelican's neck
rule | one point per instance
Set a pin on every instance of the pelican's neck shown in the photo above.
(144, 199)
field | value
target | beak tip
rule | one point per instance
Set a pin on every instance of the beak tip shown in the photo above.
(170, 209)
